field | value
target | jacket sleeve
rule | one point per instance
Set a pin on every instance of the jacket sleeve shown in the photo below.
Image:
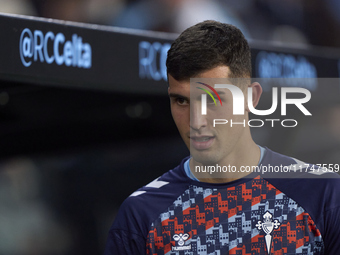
(128, 233)
(121, 242)
(332, 231)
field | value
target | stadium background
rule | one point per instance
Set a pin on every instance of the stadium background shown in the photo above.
(76, 142)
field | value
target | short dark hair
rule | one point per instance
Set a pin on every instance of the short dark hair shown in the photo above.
(207, 45)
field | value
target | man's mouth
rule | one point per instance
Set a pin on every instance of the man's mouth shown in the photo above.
(202, 139)
(202, 142)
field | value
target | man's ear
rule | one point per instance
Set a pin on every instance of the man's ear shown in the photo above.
(256, 94)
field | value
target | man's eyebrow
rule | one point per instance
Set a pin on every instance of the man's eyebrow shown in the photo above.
(177, 95)
(220, 92)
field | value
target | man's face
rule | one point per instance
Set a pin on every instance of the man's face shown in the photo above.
(208, 145)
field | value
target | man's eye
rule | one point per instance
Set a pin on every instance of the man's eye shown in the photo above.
(210, 100)
(181, 101)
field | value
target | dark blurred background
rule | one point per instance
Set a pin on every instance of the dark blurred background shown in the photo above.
(314, 22)
(61, 195)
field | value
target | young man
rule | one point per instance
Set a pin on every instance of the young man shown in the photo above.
(234, 212)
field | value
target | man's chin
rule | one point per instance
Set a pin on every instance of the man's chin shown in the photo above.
(204, 157)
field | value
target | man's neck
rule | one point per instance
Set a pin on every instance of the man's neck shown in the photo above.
(235, 164)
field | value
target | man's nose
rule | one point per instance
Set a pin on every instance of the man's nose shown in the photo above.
(197, 120)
